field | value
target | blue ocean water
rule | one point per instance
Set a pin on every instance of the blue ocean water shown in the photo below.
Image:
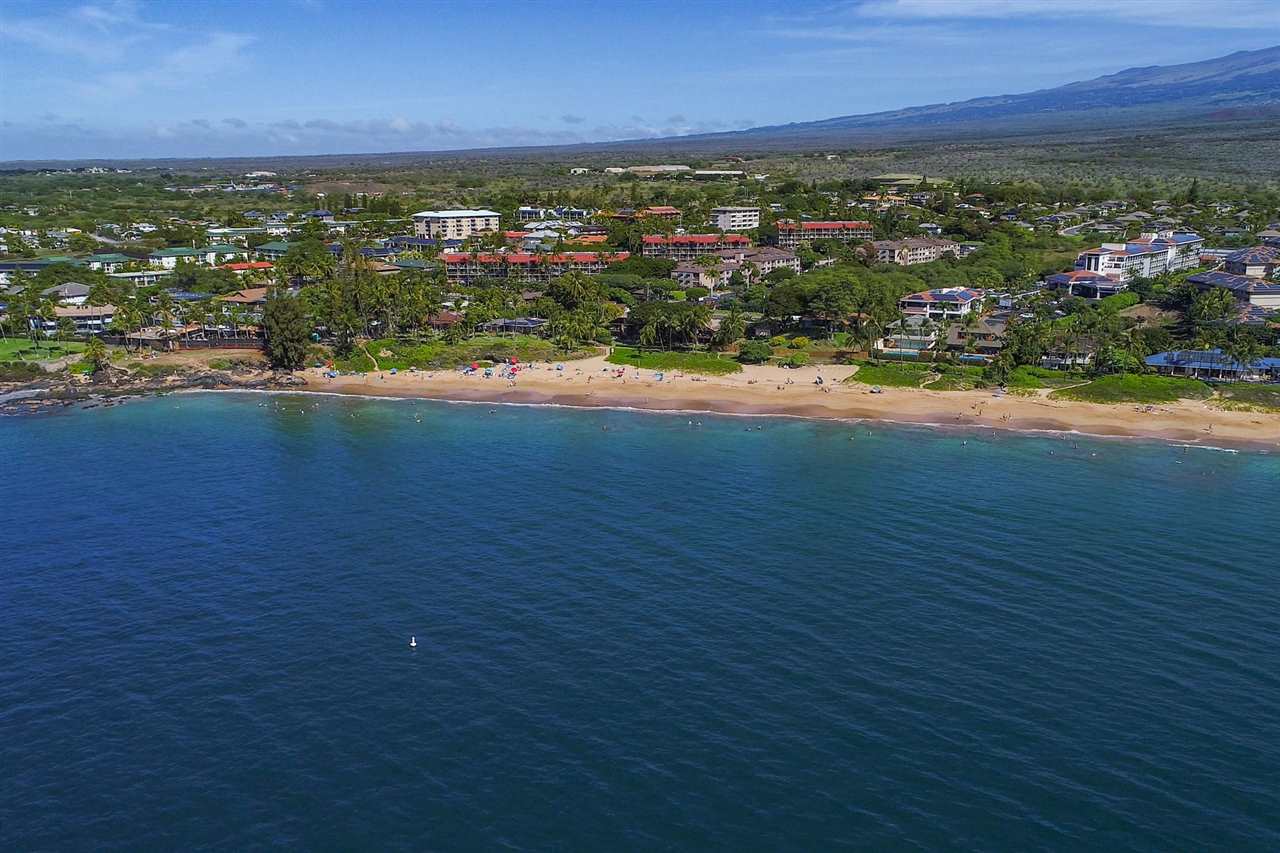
(633, 632)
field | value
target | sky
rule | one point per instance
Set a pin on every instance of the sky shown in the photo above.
(202, 78)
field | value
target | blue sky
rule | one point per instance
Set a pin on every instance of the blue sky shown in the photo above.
(119, 78)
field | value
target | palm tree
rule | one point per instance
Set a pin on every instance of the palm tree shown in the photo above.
(732, 327)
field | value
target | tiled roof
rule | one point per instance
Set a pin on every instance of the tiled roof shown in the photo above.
(1255, 255)
(1213, 359)
(945, 294)
(530, 258)
(693, 239)
(1077, 277)
(822, 226)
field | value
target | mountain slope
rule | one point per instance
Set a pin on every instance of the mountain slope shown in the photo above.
(1239, 84)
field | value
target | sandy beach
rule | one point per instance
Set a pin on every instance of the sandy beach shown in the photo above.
(764, 390)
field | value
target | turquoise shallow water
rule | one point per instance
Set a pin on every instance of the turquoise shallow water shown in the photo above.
(633, 633)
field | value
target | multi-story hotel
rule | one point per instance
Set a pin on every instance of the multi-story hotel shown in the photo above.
(735, 218)
(453, 224)
(525, 266)
(684, 247)
(751, 263)
(913, 250)
(792, 234)
(1143, 257)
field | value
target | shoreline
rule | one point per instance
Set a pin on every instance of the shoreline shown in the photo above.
(757, 391)
(775, 391)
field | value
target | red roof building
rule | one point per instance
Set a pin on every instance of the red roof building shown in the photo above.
(684, 247)
(242, 267)
(525, 266)
(792, 234)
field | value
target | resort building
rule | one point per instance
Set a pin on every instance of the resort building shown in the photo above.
(143, 278)
(690, 274)
(1149, 255)
(909, 337)
(1258, 262)
(764, 259)
(208, 255)
(454, 224)
(948, 303)
(1257, 293)
(1090, 285)
(273, 251)
(750, 263)
(1213, 364)
(792, 234)
(108, 262)
(657, 211)
(461, 267)
(88, 319)
(246, 267)
(735, 218)
(67, 293)
(980, 341)
(686, 247)
(170, 258)
(913, 250)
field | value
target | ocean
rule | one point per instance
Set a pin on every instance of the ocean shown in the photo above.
(633, 632)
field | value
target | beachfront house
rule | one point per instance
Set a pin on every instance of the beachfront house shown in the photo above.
(910, 337)
(949, 303)
(1213, 364)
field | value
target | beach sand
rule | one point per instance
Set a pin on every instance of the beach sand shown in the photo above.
(761, 390)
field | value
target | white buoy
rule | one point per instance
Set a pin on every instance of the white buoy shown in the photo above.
(413, 642)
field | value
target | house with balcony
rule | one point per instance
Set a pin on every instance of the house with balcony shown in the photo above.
(981, 340)
(910, 337)
(944, 303)
(791, 234)
(686, 247)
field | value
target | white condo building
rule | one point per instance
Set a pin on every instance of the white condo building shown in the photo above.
(453, 224)
(735, 218)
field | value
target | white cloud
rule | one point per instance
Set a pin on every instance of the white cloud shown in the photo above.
(131, 55)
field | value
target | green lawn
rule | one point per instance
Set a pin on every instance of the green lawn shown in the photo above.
(1249, 397)
(956, 377)
(1029, 378)
(688, 362)
(1136, 388)
(891, 374)
(438, 354)
(21, 349)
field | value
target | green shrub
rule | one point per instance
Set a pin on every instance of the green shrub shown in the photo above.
(799, 342)
(689, 362)
(798, 359)
(755, 352)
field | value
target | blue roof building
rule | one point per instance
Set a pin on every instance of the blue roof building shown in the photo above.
(1212, 364)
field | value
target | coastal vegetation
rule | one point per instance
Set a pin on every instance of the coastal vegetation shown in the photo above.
(687, 362)
(1248, 397)
(485, 350)
(1135, 388)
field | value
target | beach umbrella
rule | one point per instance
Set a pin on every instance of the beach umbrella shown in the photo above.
(475, 365)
